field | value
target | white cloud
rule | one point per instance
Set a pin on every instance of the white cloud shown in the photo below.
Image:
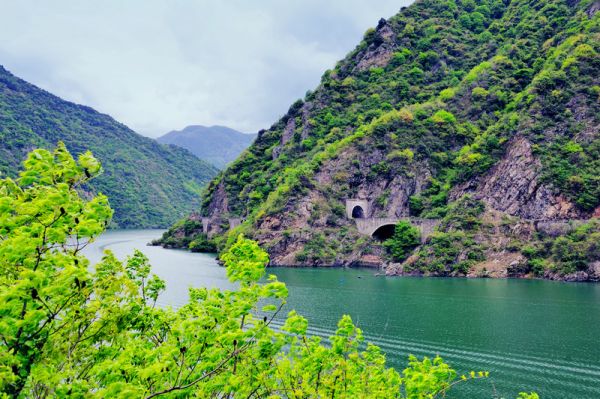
(158, 65)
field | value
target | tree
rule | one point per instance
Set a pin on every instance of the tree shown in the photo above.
(44, 280)
(68, 330)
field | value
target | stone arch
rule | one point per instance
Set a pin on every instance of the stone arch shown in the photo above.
(358, 212)
(384, 231)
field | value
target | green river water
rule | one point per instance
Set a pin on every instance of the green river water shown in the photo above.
(530, 334)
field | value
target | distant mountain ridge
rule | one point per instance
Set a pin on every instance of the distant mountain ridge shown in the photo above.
(148, 184)
(218, 145)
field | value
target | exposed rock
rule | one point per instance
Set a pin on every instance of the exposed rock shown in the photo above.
(513, 186)
(578, 276)
(557, 228)
(498, 265)
(594, 271)
(398, 269)
(353, 167)
(306, 110)
(219, 203)
(594, 8)
(379, 52)
(286, 136)
(288, 132)
(195, 216)
(370, 261)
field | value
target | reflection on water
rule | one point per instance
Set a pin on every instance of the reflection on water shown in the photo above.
(531, 335)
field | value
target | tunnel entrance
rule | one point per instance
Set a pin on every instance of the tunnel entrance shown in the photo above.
(358, 212)
(384, 232)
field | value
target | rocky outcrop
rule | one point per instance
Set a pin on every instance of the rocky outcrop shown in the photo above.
(381, 49)
(286, 136)
(594, 8)
(388, 193)
(513, 186)
(591, 274)
(219, 203)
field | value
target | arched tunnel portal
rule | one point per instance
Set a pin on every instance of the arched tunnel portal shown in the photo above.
(384, 232)
(358, 212)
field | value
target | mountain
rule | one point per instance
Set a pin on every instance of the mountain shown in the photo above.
(218, 145)
(148, 184)
(476, 122)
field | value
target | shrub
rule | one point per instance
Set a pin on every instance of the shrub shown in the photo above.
(398, 58)
(416, 73)
(443, 117)
(415, 204)
(405, 115)
(428, 58)
(447, 94)
(405, 155)
(202, 244)
(479, 93)
(406, 238)
(538, 266)
(584, 51)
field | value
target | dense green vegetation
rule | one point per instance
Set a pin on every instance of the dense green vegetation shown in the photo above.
(439, 90)
(202, 244)
(565, 254)
(70, 330)
(149, 185)
(188, 234)
(469, 88)
(406, 237)
(453, 249)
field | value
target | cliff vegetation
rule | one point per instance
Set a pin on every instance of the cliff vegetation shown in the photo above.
(489, 103)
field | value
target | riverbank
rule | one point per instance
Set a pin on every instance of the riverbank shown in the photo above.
(469, 241)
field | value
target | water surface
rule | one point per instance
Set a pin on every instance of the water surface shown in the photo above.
(530, 335)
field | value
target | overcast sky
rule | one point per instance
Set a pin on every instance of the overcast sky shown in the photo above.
(162, 65)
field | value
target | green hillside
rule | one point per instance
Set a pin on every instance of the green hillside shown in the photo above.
(482, 115)
(148, 184)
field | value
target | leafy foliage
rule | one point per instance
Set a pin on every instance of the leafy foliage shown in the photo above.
(452, 249)
(567, 253)
(202, 244)
(68, 330)
(406, 237)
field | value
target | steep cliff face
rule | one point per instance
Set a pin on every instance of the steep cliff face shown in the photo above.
(381, 49)
(513, 186)
(491, 104)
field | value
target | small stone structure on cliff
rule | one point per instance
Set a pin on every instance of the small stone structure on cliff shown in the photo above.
(207, 222)
(357, 209)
